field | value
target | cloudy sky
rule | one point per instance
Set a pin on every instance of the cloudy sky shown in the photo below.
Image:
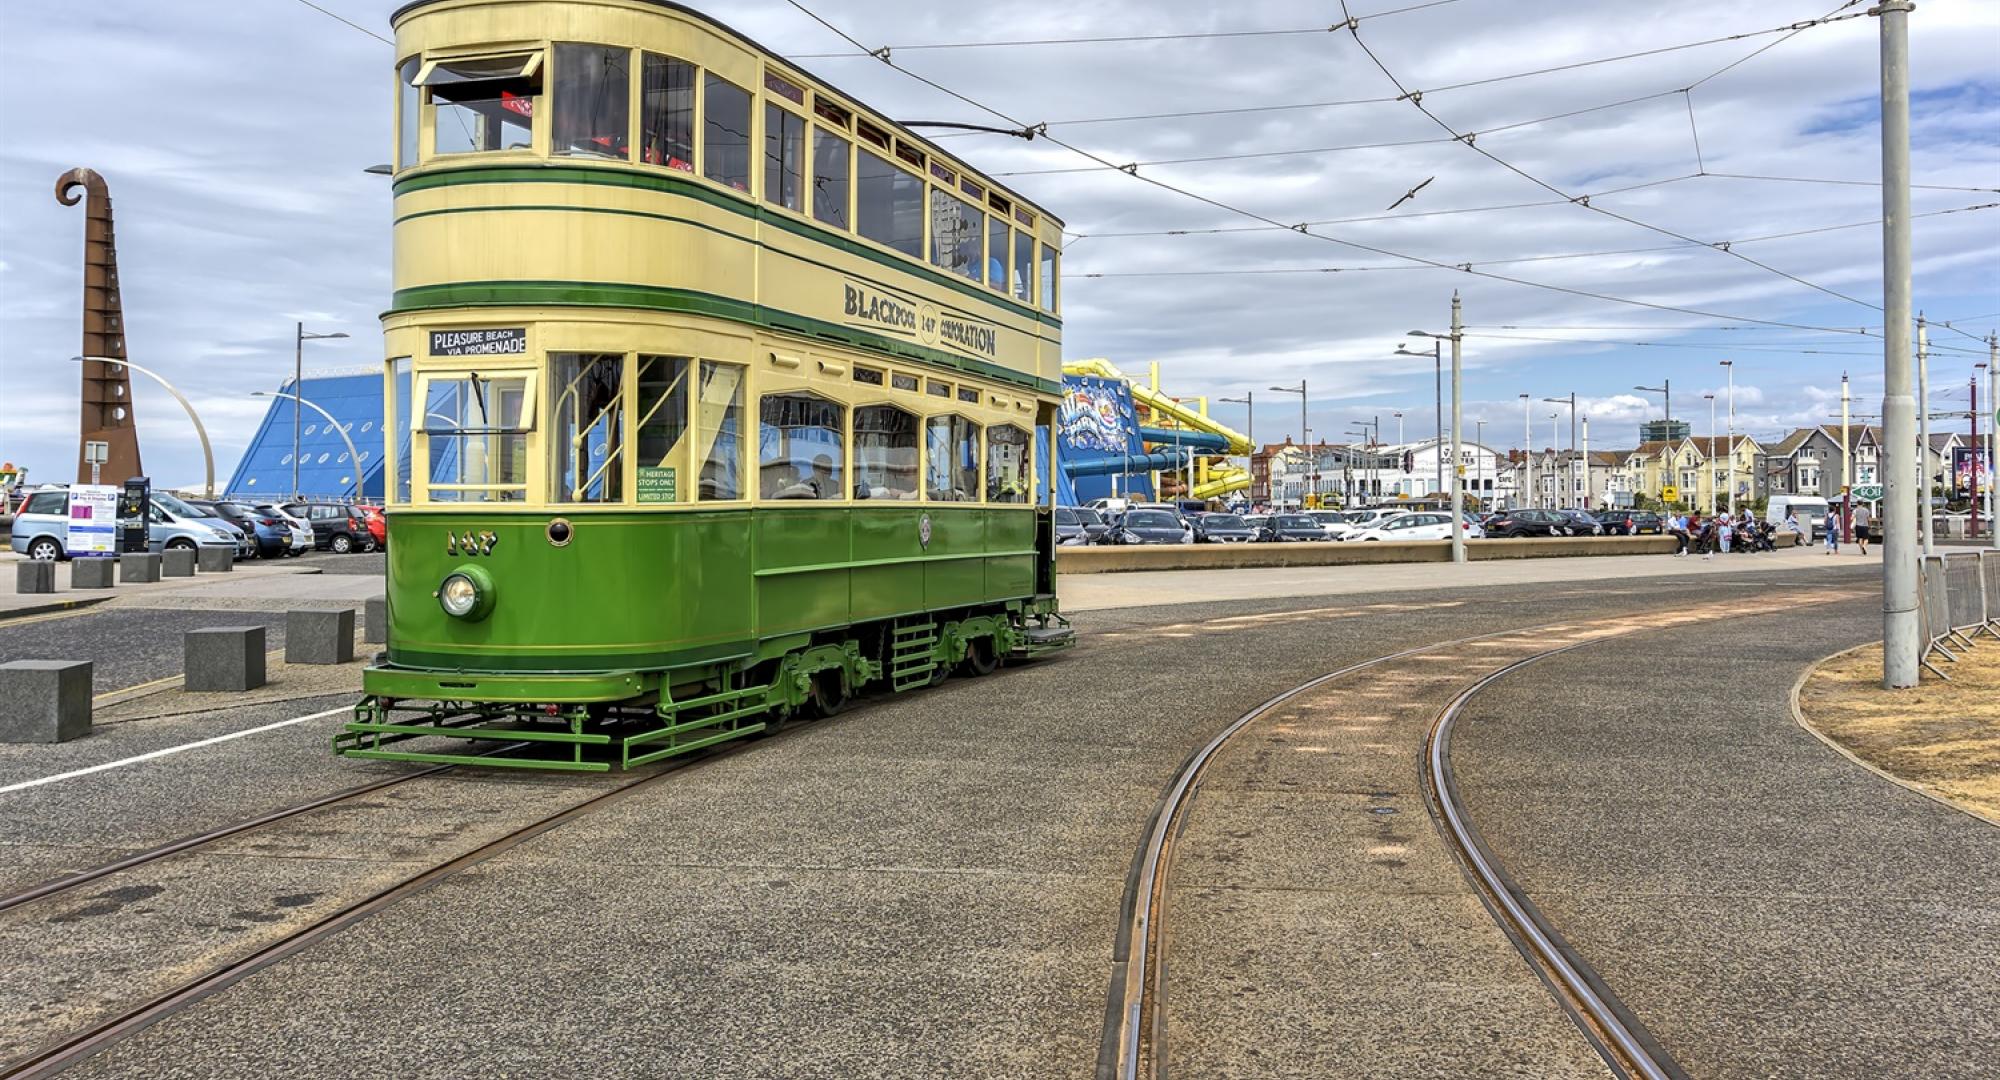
(234, 134)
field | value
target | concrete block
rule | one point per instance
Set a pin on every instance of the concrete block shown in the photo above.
(375, 621)
(319, 637)
(177, 562)
(139, 568)
(215, 560)
(35, 577)
(224, 658)
(93, 573)
(48, 701)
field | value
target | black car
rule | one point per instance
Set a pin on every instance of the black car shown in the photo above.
(1509, 524)
(1578, 523)
(1079, 525)
(1146, 526)
(1221, 529)
(1630, 522)
(271, 540)
(1291, 528)
(337, 527)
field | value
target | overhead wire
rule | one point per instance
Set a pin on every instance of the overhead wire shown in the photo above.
(1302, 229)
(349, 22)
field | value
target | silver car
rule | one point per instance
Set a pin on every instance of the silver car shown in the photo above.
(41, 529)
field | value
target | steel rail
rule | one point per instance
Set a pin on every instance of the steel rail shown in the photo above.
(1616, 1034)
(68, 1050)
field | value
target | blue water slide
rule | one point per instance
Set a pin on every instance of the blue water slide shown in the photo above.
(1193, 440)
(1107, 464)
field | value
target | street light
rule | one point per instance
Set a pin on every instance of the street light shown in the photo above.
(1249, 403)
(1437, 377)
(1300, 390)
(1665, 388)
(1730, 448)
(353, 455)
(1457, 339)
(298, 380)
(1569, 496)
(1371, 478)
(1524, 477)
(1710, 398)
(207, 456)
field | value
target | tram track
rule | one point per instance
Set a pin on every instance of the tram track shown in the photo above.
(1135, 1035)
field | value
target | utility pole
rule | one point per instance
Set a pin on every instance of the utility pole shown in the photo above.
(1710, 463)
(1526, 475)
(1585, 453)
(1846, 469)
(1730, 447)
(1992, 438)
(1924, 436)
(1666, 389)
(1977, 463)
(1457, 338)
(1901, 650)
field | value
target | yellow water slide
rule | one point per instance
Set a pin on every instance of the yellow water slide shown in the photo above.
(1223, 477)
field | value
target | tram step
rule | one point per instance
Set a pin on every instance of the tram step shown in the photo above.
(912, 657)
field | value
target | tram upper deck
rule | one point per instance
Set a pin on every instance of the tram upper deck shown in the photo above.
(637, 155)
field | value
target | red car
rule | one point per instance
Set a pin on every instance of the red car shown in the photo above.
(377, 522)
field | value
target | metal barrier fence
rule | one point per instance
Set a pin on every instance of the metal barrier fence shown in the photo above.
(1958, 599)
(1989, 578)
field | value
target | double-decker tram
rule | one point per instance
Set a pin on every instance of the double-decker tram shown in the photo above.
(723, 394)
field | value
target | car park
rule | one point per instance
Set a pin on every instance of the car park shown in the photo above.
(1144, 525)
(336, 527)
(1218, 528)
(1291, 528)
(1630, 522)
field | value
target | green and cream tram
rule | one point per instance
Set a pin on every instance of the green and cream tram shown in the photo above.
(722, 393)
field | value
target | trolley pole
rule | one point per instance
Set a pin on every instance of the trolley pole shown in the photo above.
(1900, 648)
(1924, 436)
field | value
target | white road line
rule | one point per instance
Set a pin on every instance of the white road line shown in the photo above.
(120, 763)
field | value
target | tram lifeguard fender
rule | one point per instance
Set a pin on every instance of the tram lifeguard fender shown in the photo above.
(1111, 559)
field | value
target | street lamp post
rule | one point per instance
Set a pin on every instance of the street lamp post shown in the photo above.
(207, 455)
(353, 455)
(1666, 389)
(1478, 473)
(1730, 447)
(1457, 339)
(1569, 497)
(298, 387)
(1527, 476)
(1437, 377)
(1710, 463)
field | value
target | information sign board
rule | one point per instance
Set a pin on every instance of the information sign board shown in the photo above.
(658, 484)
(93, 519)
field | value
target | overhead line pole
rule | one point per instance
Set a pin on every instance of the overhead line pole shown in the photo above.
(1901, 649)
(1993, 437)
(1924, 522)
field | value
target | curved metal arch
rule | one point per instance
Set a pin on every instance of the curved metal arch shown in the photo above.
(207, 454)
(353, 455)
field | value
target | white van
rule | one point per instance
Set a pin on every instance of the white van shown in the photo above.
(1811, 510)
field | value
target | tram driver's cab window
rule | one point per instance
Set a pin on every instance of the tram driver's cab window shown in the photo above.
(800, 446)
(951, 451)
(592, 102)
(483, 103)
(477, 429)
(885, 452)
(587, 427)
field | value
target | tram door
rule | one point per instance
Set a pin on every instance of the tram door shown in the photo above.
(1045, 499)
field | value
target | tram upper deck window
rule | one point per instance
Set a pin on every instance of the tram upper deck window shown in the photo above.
(666, 113)
(889, 205)
(592, 101)
(1049, 258)
(477, 427)
(483, 103)
(885, 453)
(1024, 266)
(830, 181)
(800, 446)
(409, 107)
(725, 133)
(956, 227)
(784, 157)
(996, 252)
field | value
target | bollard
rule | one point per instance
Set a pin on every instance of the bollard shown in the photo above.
(224, 658)
(48, 701)
(139, 568)
(177, 562)
(319, 637)
(35, 576)
(93, 573)
(375, 621)
(215, 560)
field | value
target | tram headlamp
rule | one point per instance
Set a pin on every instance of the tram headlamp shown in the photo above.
(466, 593)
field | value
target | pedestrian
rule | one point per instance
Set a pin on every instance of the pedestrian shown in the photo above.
(1677, 527)
(1861, 527)
(1832, 533)
(1725, 531)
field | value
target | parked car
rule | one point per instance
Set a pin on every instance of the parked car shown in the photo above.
(1578, 523)
(172, 507)
(1291, 528)
(1419, 525)
(1630, 522)
(301, 529)
(1509, 524)
(1334, 523)
(1149, 526)
(41, 528)
(1812, 512)
(1079, 525)
(378, 524)
(336, 527)
(1218, 528)
(270, 536)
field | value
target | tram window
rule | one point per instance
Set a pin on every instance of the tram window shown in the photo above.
(872, 133)
(900, 381)
(720, 422)
(409, 102)
(587, 429)
(800, 441)
(952, 446)
(399, 402)
(829, 180)
(784, 157)
(938, 389)
(889, 205)
(885, 453)
(666, 113)
(592, 101)
(955, 234)
(477, 428)
(969, 394)
(725, 137)
(662, 427)
(868, 375)
(830, 113)
(1024, 267)
(996, 252)
(1006, 464)
(1048, 278)
(483, 103)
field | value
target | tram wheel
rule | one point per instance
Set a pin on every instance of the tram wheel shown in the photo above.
(828, 696)
(980, 657)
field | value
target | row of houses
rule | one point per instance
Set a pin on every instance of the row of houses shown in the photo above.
(1703, 469)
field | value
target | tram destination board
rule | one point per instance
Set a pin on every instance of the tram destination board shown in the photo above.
(502, 341)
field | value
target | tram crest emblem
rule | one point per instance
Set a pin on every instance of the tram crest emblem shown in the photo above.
(924, 532)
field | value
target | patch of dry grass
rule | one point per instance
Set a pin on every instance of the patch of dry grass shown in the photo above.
(1942, 736)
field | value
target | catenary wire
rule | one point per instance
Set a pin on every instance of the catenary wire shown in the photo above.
(1304, 230)
(340, 19)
